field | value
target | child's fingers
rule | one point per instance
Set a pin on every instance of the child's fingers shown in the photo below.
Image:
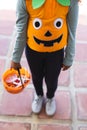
(15, 65)
(65, 67)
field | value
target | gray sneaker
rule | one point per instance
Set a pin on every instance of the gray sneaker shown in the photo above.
(50, 107)
(37, 104)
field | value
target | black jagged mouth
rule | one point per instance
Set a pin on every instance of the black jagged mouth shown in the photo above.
(48, 43)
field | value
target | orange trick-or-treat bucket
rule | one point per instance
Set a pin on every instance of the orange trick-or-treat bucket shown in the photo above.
(15, 81)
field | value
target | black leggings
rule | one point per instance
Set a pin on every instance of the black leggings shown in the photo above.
(45, 65)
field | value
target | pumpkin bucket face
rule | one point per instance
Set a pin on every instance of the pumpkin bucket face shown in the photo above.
(12, 81)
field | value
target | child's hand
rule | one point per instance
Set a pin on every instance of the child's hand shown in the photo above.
(65, 67)
(15, 65)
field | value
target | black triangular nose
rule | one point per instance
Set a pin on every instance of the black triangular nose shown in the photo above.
(48, 34)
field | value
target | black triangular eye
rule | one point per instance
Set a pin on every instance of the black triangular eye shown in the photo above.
(48, 34)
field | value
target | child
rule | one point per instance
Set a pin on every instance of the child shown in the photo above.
(45, 28)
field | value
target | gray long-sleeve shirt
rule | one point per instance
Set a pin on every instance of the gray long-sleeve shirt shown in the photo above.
(21, 31)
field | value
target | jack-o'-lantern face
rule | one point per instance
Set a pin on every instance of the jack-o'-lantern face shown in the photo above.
(37, 24)
(47, 28)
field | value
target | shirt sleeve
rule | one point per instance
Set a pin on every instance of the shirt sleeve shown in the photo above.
(72, 20)
(21, 31)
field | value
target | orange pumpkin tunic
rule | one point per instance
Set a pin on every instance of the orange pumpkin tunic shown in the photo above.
(47, 26)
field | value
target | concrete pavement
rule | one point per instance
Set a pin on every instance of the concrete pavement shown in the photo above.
(71, 96)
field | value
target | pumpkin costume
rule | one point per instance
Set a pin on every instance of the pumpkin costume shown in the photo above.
(47, 27)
